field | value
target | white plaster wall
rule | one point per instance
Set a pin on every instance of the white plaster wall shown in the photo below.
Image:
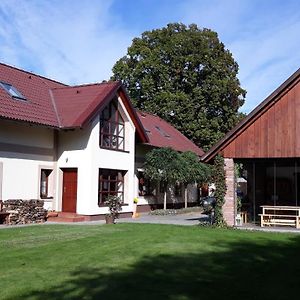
(21, 165)
(80, 149)
(21, 177)
(25, 134)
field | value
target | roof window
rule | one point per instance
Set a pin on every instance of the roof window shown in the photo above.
(12, 90)
(162, 132)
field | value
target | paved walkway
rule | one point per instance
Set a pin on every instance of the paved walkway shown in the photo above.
(188, 219)
(179, 219)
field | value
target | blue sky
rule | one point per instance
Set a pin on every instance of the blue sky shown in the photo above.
(78, 41)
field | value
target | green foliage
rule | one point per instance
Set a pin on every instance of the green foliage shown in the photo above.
(163, 165)
(114, 204)
(186, 76)
(219, 180)
(193, 170)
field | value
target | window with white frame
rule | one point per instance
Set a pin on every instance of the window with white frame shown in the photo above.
(45, 184)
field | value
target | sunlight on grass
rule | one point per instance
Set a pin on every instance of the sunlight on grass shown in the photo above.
(144, 261)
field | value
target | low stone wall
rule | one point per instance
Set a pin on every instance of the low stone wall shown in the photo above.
(25, 211)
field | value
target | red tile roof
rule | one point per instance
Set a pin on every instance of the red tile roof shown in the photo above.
(163, 134)
(39, 106)
(75, 104)
(55, 104)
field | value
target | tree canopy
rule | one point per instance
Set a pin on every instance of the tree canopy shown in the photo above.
(192, 169)
(186, 76)
(163, 165)
(168, 166)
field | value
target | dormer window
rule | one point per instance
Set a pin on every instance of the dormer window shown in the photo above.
(112, 128)
(12, 90)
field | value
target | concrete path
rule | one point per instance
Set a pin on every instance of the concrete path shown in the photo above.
(179, 219)
(188, 219)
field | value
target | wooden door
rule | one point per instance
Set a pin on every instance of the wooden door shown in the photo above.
(69, 195)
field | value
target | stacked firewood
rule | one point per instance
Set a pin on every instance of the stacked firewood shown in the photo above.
(25, 211)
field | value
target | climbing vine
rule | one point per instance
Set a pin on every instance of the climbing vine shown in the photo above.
(219, 180)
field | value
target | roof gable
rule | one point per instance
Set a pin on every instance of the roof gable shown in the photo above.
(75, 104)
(270, 130)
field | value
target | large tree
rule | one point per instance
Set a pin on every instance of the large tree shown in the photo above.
(186, 76)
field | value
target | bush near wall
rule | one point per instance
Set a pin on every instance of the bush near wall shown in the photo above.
(25, 211)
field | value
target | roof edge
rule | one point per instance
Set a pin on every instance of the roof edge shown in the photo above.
(253, 115)
(134, 116)
(34, 74)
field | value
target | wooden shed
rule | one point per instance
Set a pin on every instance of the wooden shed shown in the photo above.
(266, 144)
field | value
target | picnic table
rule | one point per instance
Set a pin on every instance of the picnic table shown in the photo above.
(280, 215)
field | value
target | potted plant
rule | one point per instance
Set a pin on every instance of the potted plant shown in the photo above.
(114, 204)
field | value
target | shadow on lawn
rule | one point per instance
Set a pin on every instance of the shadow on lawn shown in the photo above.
(246, 270)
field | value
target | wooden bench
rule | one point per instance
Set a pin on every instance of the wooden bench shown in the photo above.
(280, 215)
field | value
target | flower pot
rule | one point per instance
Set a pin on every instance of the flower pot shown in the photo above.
(109, 219)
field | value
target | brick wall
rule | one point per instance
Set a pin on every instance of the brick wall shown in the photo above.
(229, 205)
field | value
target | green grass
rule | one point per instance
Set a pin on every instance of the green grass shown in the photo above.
(143, 261)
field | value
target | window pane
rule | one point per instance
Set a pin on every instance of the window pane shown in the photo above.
(114, 142)
(44, 184)
(113, 185)
(112, 128)
(121, 130)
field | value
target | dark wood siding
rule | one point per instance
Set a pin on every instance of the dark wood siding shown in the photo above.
(274, 133)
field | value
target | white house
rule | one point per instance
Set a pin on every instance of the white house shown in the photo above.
(71, 145)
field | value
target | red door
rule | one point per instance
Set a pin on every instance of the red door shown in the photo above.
(69, 196)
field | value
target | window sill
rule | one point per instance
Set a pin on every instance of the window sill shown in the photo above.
(117, 150)
(104, 205)
(43, 198)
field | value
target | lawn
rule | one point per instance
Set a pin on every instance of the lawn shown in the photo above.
(143, 261)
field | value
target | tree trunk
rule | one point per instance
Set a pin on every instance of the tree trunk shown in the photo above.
(185, 196)
(165, 199)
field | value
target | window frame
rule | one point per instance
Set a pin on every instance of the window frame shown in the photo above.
(108, 178)
(45, 179)
(112, 128)
(12, 91)
(145, 186)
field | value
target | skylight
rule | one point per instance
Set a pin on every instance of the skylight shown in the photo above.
(12, 90)
(162, 132)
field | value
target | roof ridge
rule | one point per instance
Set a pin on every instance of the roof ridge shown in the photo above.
(31, 73)
(85, 85)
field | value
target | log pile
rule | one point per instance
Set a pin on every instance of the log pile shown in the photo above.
(25, 211)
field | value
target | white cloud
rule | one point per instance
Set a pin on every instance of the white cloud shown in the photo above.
(77, 42)
(263, 40)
